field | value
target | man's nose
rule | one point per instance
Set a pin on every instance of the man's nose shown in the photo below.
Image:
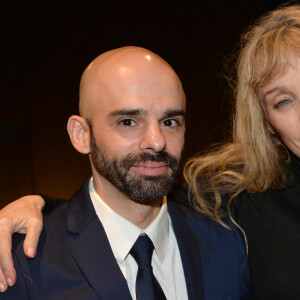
(153, 139)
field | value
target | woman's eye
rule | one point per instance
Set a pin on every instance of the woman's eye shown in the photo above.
(127, 122)
(170, 123)
(282, 103)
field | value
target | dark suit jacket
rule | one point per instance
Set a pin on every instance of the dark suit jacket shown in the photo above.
(75, 261)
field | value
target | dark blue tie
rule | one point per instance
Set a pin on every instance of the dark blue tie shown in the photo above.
(147, 286)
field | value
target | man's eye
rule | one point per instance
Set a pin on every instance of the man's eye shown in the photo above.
(127, 122)
(170, 123)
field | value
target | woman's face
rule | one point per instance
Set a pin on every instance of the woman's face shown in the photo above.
(281, 100)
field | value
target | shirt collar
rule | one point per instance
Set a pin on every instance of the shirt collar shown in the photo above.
(122, 234)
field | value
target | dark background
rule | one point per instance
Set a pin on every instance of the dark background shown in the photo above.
(46, 45)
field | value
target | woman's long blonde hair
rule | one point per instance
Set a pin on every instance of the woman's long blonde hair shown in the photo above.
(255, 159)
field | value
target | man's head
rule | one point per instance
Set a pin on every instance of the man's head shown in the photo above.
(132, 124)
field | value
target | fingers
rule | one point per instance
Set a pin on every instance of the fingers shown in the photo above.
(34, 228)
(3, 283)
(7, 271)
(11, 276)
(8, 274)
(22, 216)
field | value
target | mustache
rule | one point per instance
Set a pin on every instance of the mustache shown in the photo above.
(130, 159)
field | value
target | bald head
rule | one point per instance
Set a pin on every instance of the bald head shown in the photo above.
(127, 70)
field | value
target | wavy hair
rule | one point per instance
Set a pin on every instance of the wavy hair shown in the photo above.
(255, 159)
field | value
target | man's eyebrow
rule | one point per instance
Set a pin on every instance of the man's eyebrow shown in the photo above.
(143, 112)
(129, 112)
(174, 113)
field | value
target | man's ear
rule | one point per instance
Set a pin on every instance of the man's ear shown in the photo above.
(79, 133)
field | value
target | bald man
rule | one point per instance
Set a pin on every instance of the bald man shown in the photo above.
(131, 125)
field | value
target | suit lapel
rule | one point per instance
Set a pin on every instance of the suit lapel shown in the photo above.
(189, 251)
(91, 250)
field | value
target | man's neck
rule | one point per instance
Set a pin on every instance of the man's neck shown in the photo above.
(140, 214)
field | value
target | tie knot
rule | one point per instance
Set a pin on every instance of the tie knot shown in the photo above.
(142, 251)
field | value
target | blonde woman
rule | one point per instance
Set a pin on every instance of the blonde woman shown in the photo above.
(256, 176)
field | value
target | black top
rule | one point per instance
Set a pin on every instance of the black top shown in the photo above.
(271, 221)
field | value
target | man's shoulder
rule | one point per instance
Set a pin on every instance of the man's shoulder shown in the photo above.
(200, 221)
(54, 229)
(55, 223)
(179, 199)
(209, 233)
(220, 249)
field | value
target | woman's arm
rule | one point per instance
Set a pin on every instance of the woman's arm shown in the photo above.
(24, 215)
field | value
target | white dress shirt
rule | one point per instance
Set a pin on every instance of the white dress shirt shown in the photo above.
(122, 234)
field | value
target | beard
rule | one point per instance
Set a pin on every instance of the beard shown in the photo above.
(118, 171)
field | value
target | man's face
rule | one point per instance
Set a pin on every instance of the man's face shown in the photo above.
(137, 137)
(138, 186)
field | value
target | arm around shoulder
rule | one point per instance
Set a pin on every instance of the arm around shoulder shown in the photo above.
(22, 216)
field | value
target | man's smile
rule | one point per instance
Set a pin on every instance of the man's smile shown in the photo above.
(151, 168)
